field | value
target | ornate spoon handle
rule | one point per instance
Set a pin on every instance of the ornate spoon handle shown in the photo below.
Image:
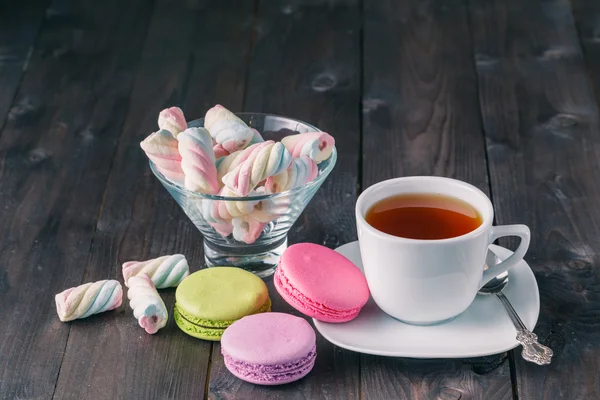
(533, 351)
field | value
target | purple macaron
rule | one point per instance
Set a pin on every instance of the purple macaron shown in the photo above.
(269, 348)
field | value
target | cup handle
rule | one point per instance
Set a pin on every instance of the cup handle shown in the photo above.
(521, 231)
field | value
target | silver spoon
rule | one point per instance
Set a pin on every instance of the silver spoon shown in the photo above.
(533, 351)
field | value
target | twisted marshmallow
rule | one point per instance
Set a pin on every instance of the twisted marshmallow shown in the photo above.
(148, 307)
(161, 148)
(256, 138)
(229, 209)
(229, 162)
(268, 159)
(172, 120)
(210, 213)
(198, 160)
(88, 299)
(220, 151)
(271, 208)
(316, 145)
(165, 271)
(246, 229)
(228, 130)
(301, 171)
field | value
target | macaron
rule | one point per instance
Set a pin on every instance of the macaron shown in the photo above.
(321, 283)
(210, 300)
(269, 349)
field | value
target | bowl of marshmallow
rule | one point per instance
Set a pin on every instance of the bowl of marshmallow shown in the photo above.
(243, 179)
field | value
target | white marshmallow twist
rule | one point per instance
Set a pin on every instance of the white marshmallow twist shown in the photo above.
(165, 271)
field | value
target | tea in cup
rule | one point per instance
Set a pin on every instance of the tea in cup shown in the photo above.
(423, 243)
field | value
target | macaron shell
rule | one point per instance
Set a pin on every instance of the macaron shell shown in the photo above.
(324, 276)
(205, 333)
(204, 328)
(258, 375)
(221, 294)
(269, 348)
(308, 307)
(269, 338)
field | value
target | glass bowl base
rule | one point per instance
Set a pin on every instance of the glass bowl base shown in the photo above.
(260, 259)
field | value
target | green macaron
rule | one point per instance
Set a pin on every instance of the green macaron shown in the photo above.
(210, 300)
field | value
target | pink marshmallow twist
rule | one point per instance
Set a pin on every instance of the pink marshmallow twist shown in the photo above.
(147, 305)
(173, 120)
(162, 149)
(229, 162)
(316, 145)
(198, 160)
(88, 299)
(220, 151)
(266, 159)
(301, 171)
(165, 271)
(209, 209)
(246, 229)
(227, 129)
(256, 138)
(229, 209)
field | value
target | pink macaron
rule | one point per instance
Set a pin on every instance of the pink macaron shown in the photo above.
(269, 348)
(321, 283)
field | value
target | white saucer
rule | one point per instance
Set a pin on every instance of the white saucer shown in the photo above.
(483, 329)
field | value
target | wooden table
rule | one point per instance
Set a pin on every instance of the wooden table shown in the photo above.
(502, 94)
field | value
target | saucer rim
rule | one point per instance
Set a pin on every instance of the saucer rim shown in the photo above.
(438, 354)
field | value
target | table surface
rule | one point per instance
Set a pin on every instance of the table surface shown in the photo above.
(501, 94)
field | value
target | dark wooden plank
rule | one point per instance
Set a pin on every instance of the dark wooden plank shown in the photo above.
(587, 21)
(306, 65)
(541, 125)
(139, 220)
(54, 163)
(19, 26)
(421, 117)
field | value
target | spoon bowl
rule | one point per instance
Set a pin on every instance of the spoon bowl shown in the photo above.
(497, 284)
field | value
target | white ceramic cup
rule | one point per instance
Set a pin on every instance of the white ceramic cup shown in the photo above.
(426, 282)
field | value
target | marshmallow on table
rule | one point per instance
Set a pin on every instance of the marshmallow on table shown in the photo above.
(246, 229)
(301, 171)
(316, 145)
(198, 160)
(172, 120)
(88, 299)
(267, 159)
(162, 148)
(228, 130)
(165, 271)
(147, 305)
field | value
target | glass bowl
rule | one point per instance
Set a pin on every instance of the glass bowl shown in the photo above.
(253, 234)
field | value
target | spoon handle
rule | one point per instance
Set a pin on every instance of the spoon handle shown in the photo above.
(533, 351)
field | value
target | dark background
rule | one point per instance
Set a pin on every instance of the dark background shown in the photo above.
(501, 94)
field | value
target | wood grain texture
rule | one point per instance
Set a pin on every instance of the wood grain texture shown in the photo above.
(541, 124)
(139, 219)
(421, 117)
(305, 65)
(587, 21)
(54, 163)
(19, 26)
